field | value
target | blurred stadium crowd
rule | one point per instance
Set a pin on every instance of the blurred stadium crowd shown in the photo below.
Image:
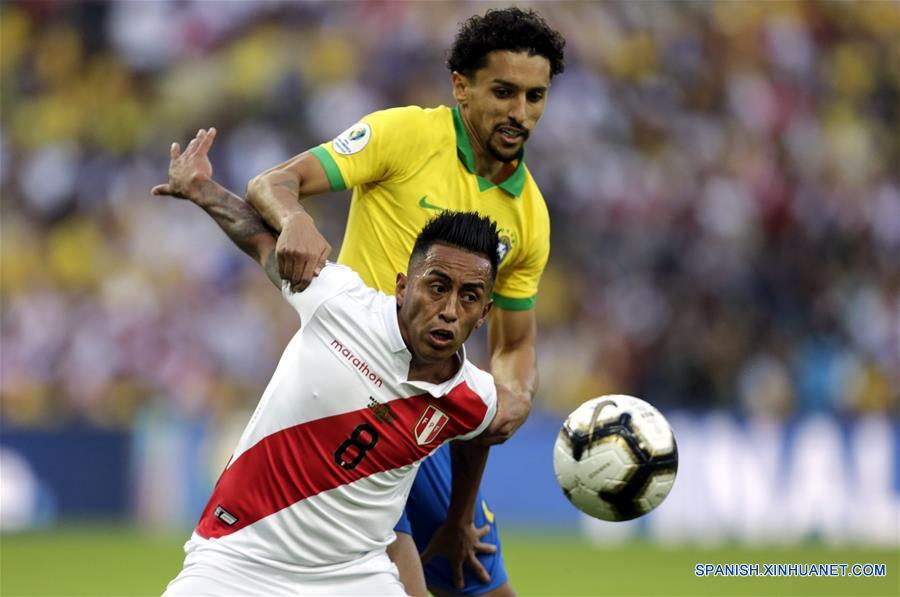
(722, 180)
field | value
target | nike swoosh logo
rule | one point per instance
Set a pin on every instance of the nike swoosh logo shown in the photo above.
(423, 203)
(487, 513)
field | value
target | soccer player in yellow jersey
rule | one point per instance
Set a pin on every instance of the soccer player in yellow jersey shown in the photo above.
(405, 165)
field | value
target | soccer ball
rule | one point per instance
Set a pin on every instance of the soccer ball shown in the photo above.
(615, 457)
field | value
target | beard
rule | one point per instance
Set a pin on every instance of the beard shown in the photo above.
(505, 157)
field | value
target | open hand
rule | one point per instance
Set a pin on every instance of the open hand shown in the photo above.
(189, 170)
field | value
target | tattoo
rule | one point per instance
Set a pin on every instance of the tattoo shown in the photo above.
(271, 268)
(238, 219)
(243, 225)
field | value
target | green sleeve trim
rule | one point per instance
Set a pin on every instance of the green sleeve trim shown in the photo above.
(335, 179)
(514, 304)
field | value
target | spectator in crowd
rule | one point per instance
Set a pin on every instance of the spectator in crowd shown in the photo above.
(726, 208)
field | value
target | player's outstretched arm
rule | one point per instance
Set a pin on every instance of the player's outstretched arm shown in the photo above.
(190, 178)
(275, 194)
(457, 539)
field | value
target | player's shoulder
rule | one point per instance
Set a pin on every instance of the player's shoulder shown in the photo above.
(333, 281)
(344, 281)
(414, 119)
(479, 381)
(417, 113)
(353, 299)
(479, 388)
(336, 276)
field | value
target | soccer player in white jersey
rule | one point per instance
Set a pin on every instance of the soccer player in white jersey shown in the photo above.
(370, 386)
(404, 164)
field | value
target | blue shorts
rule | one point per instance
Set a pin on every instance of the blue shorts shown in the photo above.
(426, 511)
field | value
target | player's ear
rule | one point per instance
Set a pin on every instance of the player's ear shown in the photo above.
(460, 87)
(400, 289)
(484, 314)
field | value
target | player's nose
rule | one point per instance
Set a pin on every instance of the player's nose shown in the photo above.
(517, 109)
(450, 309)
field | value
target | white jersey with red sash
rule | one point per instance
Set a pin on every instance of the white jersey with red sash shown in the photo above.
(322, 471)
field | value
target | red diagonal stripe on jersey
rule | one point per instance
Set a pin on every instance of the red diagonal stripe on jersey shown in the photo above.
(298, 462)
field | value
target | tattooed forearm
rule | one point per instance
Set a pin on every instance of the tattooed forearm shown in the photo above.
(243, 225)
(271, 267)
(239, 220)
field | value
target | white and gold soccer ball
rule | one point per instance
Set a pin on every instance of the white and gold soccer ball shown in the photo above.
(615, 457)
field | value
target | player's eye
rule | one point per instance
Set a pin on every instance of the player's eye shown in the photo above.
(437, 288)
(535, 96)
(502, 92)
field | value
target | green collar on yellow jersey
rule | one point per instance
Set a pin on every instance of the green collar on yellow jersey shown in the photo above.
(512, 185)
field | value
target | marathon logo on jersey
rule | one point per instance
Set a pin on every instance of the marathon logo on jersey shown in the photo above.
(358, 363)
(353, 140)
(430, 425)
(225, 516)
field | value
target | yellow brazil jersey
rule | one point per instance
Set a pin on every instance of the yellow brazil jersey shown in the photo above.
(405, 165)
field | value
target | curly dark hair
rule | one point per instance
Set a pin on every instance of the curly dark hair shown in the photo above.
(510, 29)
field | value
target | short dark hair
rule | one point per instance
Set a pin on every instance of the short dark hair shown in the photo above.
(511, 29)
(466, 230)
